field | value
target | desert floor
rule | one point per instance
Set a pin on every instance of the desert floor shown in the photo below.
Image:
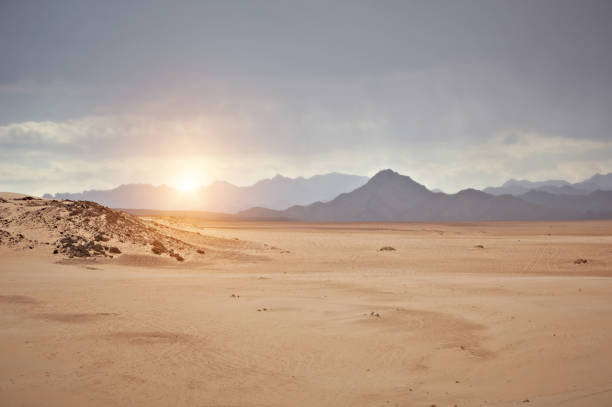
(322, 318)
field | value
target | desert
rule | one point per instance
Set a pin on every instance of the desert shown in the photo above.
(285, 313)
(267, 203)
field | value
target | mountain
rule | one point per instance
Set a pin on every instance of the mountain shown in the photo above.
(557, 187)
(276, 193)
(519, 187)
(598, 181)
(389, 196)
(281, 192)
(128, 196)
(597, 204)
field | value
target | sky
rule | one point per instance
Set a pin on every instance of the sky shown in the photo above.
(456, 94)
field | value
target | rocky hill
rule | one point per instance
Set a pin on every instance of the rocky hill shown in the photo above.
(80, 229)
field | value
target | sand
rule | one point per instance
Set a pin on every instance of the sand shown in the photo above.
(286, 314)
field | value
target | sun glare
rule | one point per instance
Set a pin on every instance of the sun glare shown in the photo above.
(188, 184)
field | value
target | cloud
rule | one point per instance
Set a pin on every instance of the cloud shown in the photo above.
(519, 154)
(104, 151)
(525, 145)
(454, 94)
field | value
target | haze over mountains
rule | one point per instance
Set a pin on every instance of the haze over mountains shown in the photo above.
(389, 196)
(275, 193)
(519, 187)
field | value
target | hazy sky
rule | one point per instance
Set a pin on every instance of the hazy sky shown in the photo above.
(453, 93)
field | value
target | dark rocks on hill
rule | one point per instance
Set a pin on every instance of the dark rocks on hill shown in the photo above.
(158, 247)
(5, 236)
(177, 256)
(77, 246)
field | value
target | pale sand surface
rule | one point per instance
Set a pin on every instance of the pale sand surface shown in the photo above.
(514, 321)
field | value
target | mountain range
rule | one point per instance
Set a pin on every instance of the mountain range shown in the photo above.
(389, 196)
(275, 193)
(597, 182)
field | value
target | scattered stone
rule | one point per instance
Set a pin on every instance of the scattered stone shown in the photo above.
(158, 247)
(479, 246)
(580, 261)
(114, 250)
(386, 248)
(101, 238)
(177, 256)
(200, 251)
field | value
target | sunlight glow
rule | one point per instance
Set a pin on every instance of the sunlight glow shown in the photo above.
(188, 184)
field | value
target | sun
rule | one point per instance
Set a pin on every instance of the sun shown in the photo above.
(187, 184)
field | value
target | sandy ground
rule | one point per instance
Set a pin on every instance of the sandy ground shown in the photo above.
(315, 315)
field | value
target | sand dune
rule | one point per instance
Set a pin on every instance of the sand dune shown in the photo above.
(293, 314)
(85, 231)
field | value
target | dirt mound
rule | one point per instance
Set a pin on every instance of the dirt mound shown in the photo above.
(81, 229)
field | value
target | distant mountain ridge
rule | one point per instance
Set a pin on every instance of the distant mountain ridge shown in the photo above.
(276, 193)
(596, 204)
(597, 182)
(389, 196)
